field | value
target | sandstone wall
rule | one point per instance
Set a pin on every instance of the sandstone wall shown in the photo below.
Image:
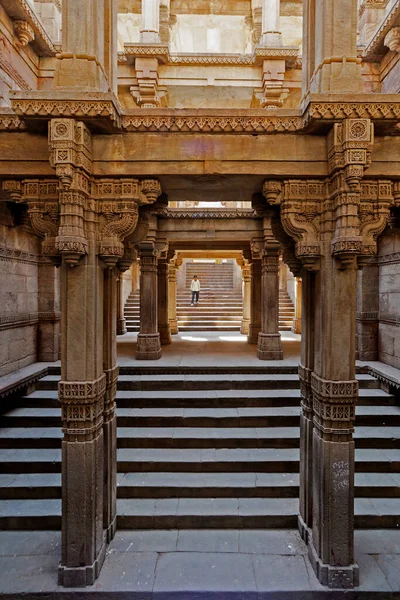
(389, 298)
(19, 266)
(29, 296)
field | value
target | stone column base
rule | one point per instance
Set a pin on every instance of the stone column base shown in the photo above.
(333, 576)
(121, 327)
(148, 346)
(173, 326)
(269, 346)
(82, 576)
(304, 530)
(165, 335)
(252, 338)
(296, 327)
(245, 327)
(111, 530)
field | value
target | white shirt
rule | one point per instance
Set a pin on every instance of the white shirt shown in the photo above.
(195, 286)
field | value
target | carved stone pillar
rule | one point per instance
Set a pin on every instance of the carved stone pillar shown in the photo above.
(269, 339)
(306, 417)
(81, 64)
(330, 51)
(283, 276)
(81, 394)
(163, 320)
(296, 327)
(172, 296)
(255, 304)
(150, 27)
(245, 327)
(334, 391)
(121, 321)
(271, 34)
(148, 343)
(111, 371)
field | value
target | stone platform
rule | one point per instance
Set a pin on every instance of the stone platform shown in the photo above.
(209, 348)
(190, 564)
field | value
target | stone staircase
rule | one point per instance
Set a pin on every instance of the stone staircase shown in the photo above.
(220, 307)
(132, 312)
(286, 311)
(198, 448)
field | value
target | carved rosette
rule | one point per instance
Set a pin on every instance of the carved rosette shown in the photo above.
(82, 404)
(334, 407)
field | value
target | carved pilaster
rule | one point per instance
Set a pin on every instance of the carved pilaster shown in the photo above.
(70, 154)
(349, 148)
(148, 342)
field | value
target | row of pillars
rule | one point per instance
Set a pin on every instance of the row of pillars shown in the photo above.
(158, 300)
(270, 32)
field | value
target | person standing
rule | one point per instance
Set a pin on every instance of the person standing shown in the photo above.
(195, 289)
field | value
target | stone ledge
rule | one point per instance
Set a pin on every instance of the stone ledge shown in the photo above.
(23, 378)
(388, 375)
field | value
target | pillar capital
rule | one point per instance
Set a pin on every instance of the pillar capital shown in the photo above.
(301, 207)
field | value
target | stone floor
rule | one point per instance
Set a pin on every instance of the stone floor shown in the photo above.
(199, 564)
(192, 564)
(209, 348)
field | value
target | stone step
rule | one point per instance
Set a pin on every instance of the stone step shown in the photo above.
(373, 403)
(196, 460)
(191, 437)
(183, 328)
(201, 513)
(195, 485)
(207, 382)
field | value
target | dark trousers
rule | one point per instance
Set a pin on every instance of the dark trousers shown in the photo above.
(195, 295)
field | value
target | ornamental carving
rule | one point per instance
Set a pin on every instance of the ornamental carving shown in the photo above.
(301, 205)
(42, 198)
(82, 405)
(118, 202)
(24, 32)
